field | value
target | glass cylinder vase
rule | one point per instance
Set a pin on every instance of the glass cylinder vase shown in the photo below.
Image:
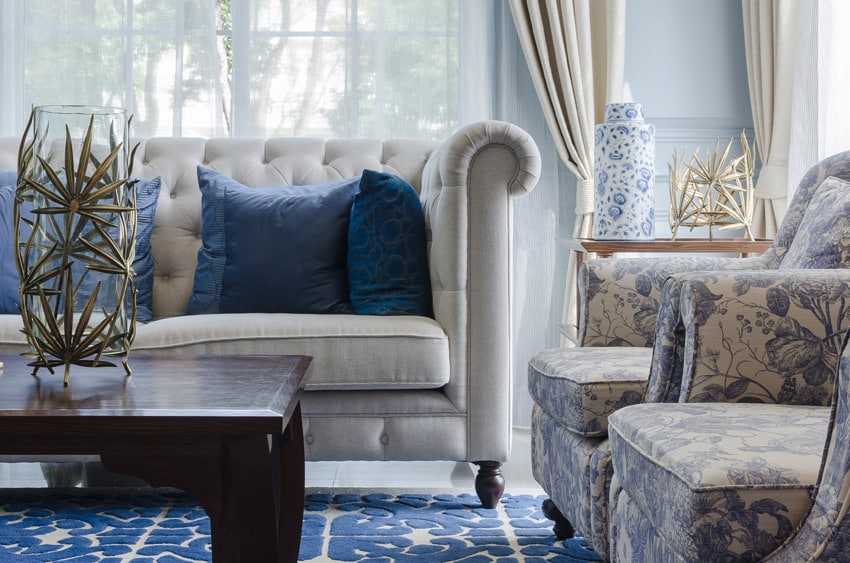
(624, 170)
(75, 233)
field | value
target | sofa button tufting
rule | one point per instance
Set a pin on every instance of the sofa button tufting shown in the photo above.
(385, 439)
(309, 438)
(173, 195)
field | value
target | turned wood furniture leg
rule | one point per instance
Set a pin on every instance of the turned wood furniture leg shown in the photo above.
(563, 529)
(489, 483)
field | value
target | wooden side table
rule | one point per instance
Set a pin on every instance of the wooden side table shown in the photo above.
(606, 248)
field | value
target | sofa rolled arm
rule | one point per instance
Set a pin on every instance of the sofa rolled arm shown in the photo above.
(618, 298)
(767, 337)
(467, 187)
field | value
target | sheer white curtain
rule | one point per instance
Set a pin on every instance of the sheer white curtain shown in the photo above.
(819, 109)
(245, 68)
(575, 50)
(769, 37)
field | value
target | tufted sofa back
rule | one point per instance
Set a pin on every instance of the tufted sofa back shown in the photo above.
(176, 234)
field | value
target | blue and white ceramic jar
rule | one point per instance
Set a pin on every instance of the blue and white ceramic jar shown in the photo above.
(624, 169)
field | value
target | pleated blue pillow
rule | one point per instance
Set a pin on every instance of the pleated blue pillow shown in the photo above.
(8, 270)
(387, 249)
(272, 249)
(147, 192)
(147, 195)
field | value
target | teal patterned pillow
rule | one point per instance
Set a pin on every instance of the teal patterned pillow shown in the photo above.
(387, 249)
(823, 238)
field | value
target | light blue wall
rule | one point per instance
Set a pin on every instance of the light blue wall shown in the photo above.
(685, 63)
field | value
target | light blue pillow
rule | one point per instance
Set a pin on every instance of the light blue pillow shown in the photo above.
(147, 193)
(273, 249)
(387, 249)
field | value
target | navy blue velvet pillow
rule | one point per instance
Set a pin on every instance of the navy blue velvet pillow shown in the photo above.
(387, 249)
(273, 249)
(147, 192)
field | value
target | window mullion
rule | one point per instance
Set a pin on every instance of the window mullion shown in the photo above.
(241, 79)
(179, 43)
(352, 67)
(12, 50)
(129, 47)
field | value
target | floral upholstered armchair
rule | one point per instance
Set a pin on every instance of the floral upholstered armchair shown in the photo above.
(728, 473)
(633, 338)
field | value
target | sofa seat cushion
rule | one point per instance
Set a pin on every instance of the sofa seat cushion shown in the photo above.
(580, 387)
(720, 481)
(349, 351)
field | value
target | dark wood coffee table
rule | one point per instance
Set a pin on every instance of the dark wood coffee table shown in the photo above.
(226, 429)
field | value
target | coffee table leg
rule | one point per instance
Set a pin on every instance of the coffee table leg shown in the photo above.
(288, 457)
(234, 480)
(249, 499)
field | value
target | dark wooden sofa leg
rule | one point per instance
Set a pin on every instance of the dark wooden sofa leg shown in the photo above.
(489, 483)
(562, 528)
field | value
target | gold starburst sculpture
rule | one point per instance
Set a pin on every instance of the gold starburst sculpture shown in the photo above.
(75, 253)
(715, 192)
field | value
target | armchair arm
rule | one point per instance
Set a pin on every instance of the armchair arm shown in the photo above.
(619, 297)
(767, 337)
(467, 187)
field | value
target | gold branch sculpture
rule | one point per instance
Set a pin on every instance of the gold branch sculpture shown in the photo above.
(715, 192)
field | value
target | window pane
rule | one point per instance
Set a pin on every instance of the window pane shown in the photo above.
(437, 16)
(378, 68)
(293, 82)
(405, 86)
(300, 16)
(83, 68)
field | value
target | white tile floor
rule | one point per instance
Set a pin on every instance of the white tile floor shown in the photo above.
(419, 476)
(411, 475)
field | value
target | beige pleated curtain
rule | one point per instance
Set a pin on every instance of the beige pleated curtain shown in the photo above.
(575, 50)
(769, 42)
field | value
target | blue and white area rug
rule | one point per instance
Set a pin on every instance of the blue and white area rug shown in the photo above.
(165, 526)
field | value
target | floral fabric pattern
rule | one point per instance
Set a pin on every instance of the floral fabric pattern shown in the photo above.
(825, 534)
(731, 329)
(764, 337)
(823, 239)
(580, 387)
(638, 541)
(619, 297)
(719, 481)
(565, 471)
(665, 379)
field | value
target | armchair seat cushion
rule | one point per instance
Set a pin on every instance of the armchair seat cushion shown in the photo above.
(580, 387)
(718, 480)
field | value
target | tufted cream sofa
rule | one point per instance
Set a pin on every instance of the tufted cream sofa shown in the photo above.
(382, 388)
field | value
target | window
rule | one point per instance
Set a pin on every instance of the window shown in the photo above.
(258, 68)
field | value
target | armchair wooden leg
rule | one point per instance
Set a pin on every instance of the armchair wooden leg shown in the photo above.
(563, 529)
(489, 483)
